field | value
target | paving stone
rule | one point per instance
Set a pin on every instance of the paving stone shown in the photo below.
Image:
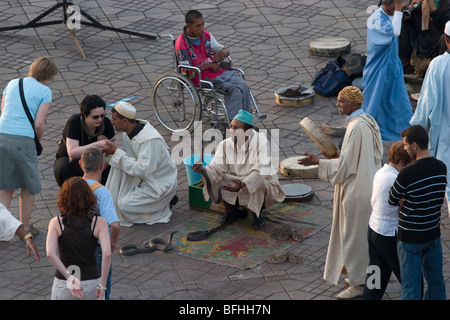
(269, 40)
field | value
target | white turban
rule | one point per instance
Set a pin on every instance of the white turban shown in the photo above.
(125, 109)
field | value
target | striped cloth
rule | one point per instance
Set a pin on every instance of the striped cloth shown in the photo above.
(422, 185)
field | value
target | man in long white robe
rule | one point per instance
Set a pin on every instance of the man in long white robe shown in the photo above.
(433, 107)
(352, 176)
(243, 161)
(143, 176)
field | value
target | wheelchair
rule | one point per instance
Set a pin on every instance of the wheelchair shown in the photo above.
(179, 104)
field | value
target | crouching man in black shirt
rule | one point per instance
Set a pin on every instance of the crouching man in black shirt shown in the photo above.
(420, 191)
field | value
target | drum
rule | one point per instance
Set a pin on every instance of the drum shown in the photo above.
(318, 137)
(294, 96)
(329, 46)
(297, 192)
(289, 167)
(334, 127)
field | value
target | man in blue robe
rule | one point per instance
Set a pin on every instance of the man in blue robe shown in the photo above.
(385, 95)
(433, 108)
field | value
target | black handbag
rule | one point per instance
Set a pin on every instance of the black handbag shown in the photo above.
(39, 147)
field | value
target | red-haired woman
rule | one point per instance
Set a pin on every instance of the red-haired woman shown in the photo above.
(75, 234)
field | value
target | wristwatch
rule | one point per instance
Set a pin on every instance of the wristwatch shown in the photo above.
(27, 236)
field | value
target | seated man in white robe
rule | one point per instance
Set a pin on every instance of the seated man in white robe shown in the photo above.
(243, 165)
(143, 176)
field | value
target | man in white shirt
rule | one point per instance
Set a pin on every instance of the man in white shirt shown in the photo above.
(383, 223)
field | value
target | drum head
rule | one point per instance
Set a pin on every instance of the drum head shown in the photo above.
(297, 192)
(330, 46)
(318, 137)
(290, 167)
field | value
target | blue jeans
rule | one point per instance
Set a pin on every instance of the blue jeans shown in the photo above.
(417, 259)
(236, 92)
(108, 282)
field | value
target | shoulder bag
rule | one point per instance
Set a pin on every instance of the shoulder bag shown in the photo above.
(39, 147)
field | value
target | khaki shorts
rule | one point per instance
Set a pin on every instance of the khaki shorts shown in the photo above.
(60, 291)
(18, 164)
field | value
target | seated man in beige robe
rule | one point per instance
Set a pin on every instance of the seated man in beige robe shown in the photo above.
(243, 165)
(352, 175)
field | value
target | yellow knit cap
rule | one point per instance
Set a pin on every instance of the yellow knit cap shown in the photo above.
(351, 94)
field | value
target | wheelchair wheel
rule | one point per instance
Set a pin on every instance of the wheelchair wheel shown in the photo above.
(176, 102)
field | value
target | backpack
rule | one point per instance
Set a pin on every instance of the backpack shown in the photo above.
(95, 185)
(354, 66)
(332, 79)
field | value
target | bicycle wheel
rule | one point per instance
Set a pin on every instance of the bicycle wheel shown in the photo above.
(176, 102)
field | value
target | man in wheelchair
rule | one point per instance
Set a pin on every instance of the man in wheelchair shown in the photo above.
(198, 48)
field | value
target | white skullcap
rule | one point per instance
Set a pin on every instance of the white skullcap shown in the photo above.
(125, 109)
(447, 28)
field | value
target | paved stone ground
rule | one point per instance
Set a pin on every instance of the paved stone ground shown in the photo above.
(270, 41)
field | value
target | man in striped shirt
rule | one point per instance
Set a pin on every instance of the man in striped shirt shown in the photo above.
(420, 191)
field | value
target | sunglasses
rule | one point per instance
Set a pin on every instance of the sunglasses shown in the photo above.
(103, 115)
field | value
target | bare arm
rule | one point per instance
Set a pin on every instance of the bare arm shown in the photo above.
(39, 121)
(102, 233)
(74, 149)
(115, 230)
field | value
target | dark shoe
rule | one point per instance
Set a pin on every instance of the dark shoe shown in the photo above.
(234, 215)
(259, 222)
(173, 201)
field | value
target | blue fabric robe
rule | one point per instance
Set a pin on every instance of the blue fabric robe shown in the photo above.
(433, 110)
(385, 95)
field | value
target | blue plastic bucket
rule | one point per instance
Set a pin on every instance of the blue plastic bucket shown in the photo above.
(194, 177)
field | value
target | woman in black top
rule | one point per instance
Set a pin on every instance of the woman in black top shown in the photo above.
(83, 130)
(72, 241)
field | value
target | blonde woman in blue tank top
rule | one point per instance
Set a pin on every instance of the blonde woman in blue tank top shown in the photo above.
(18, 157)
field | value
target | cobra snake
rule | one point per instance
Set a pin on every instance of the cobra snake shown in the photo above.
(209, 188)
(204, 234)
